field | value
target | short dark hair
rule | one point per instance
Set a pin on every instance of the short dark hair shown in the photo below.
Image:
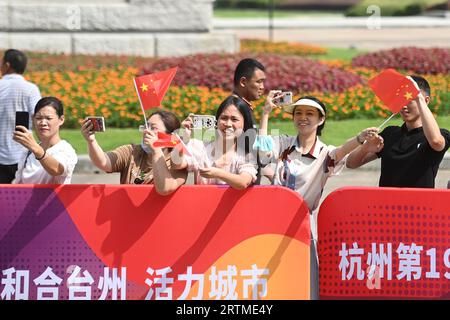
(246, 68)
(169, 119)
(319, 128)
(244, 109)
(53, 102)
(422, 83)
(16, 59)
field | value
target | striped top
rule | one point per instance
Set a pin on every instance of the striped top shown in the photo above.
(16, 94)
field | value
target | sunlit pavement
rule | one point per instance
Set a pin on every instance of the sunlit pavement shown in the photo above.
(348, 177)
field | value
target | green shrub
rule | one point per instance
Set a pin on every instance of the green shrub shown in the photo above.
(249, 4)
(393, 8)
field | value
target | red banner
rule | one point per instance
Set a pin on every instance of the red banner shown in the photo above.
(384, 243)
(128, 242)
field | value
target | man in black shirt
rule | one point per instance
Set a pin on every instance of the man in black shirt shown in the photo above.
(410, 154)
(248, 82)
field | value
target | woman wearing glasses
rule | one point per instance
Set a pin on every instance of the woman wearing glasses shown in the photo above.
(144, 163)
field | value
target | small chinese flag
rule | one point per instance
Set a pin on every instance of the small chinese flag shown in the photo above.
(394, 89)
(166, 140)
(151, 88)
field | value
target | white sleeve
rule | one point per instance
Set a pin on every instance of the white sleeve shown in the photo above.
(249, 166)
(35, 96)
(335, 168)
(198, 153)
(67, 157)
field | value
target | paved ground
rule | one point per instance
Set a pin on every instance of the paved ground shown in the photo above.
(348, 177)
(336, 22)
(357, 37)
(368, 33)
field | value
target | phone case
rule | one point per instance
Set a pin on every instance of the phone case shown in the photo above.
(23, 119)
(98, 123)
(203, 121)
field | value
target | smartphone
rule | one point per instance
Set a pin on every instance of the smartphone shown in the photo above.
(203, 121)
(98, 123)
(23, 119)
(285, 99)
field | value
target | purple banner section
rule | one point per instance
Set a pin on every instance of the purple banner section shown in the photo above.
(36, 232)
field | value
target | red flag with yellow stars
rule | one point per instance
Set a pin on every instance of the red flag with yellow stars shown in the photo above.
(151, 88)
(394, 89)
(166, 140)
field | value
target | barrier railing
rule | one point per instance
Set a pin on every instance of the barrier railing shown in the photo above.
(384, 243)
(208, 242)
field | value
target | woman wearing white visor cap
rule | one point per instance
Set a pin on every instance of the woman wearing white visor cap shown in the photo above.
(303, 163)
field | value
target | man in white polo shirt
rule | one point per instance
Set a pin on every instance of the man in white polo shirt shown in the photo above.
(16, 94)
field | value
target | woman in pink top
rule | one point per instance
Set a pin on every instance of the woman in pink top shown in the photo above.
(227, 159)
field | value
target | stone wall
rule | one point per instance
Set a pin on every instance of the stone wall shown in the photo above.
(135, 27)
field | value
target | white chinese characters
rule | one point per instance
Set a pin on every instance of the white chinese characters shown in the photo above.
(223, 284)
(380, 261)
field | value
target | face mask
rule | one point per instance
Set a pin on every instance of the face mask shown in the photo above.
(146, 148)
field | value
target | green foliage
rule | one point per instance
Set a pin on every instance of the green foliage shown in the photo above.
(110, 139)
(241, 3)
(393, 8)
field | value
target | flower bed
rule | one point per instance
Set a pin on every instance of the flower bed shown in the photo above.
(282, 47)
(296, 74)
(417, 60)
(104, 86)
(110, 93)
(60, 62)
